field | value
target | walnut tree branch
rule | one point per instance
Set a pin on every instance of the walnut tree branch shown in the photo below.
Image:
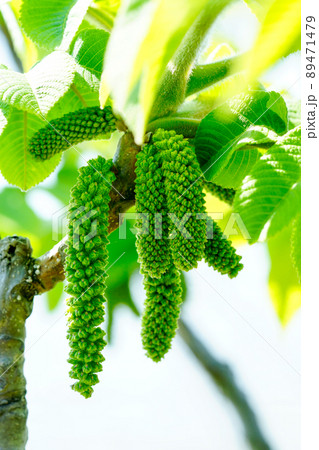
(16, 299)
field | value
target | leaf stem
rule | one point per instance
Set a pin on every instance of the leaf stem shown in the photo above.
(182, 125)
(78, 94)
(172, 88)
(103, 17)
(205, 75)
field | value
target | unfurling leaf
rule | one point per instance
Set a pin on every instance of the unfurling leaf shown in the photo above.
(227, 139)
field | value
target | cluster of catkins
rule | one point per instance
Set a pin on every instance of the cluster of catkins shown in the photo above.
(83, 125)
(174, 234)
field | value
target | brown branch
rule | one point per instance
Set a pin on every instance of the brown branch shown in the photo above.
(50, 268)
(16, 300)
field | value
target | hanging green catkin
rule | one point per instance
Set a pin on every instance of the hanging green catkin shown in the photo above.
(86, 261)
(153, 225)
(224, 194)
(185, 198)
(219, 252)
(71, 129)
(161, 313)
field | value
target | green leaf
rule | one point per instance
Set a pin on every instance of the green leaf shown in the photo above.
(111, 6)
(103, 12)
(53, 23)
(88, 50)
(16, 163)
(65, 179)
(80, 95)
(283, 282)
(277, 106)
(288, 209)
(123, 246)
(54, 296)
(259, 7)
(123, 262)
(118, 295)
(294, 113)
(209, 99)
(278, 34)
(5, 112)
(144, 39)
(241, 162)
(296, 245)
(13, 206)
(264, 191)
(205, 75)
(40, 88)
(229, 127)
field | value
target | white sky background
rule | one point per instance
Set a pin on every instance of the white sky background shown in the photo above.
(173, 405)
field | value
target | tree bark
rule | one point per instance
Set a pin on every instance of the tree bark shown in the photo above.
(122, 194)
(17, 269)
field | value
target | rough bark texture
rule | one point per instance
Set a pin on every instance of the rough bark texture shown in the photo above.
(50, 268)
(16, 299)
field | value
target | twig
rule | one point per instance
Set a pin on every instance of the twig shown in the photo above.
(224, 378)
(204, 76)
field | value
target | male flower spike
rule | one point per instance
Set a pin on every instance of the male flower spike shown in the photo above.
(87, 259)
